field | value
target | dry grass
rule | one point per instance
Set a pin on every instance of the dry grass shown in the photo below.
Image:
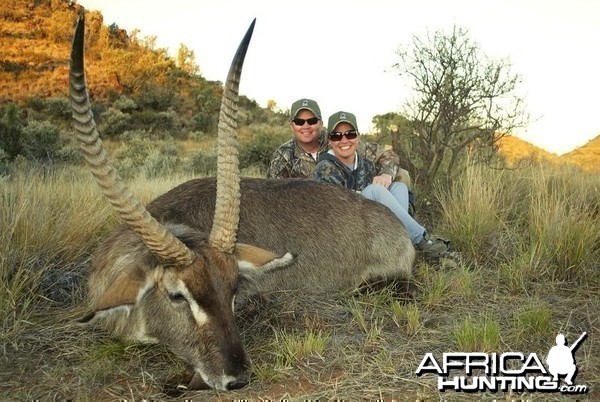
(530, 250)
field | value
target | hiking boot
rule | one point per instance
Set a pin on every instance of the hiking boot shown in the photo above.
(435, 249)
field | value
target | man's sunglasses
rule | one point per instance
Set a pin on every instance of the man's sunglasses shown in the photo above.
(300, 122)
(337, 136)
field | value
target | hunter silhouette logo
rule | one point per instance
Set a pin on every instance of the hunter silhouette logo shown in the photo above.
(561, 360)
(510, 371)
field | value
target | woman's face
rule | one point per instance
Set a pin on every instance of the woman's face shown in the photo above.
(345, 148)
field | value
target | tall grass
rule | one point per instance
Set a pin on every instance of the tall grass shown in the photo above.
(51, 221)
(473, 212)
(46, 220)
(543, 219)
(564, 227)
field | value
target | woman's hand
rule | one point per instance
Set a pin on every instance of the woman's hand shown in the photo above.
(384, 179)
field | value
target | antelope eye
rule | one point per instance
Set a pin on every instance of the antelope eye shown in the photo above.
(176, 297)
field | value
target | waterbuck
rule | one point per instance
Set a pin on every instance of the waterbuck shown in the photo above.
(169, 274)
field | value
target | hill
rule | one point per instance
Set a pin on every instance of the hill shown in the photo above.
(135, 88)
(586, 157)
(35, 39)
(514, 149)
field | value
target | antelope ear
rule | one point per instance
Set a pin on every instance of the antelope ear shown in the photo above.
(118, 298)
(254, 261)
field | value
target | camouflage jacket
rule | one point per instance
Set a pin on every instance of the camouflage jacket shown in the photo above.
(290, 160)
(331, 170)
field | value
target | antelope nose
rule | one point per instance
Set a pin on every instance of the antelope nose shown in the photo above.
(236, 384)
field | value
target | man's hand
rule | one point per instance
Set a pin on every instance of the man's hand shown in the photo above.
(385, 180)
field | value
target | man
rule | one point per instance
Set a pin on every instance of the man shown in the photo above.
(298, 157)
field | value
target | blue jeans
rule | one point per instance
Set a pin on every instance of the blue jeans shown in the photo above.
(396, 199)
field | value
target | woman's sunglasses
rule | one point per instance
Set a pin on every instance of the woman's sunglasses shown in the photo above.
(337, 136)
(300, 122)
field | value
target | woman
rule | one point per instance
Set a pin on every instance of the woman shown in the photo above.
(341, 165)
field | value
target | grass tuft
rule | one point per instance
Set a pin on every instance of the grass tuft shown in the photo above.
(477, 336)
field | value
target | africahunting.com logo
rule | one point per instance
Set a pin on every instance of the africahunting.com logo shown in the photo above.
(511, 371)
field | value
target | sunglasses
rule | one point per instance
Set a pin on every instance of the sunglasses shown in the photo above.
(300, 122)
(337, 136)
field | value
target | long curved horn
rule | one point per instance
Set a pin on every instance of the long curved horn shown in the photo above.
(227, 208)
(165, 246)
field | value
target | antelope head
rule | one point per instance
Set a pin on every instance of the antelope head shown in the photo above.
(166, 283)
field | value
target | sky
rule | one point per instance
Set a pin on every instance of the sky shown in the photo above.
(341, 52)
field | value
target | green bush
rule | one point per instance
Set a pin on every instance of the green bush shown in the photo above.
(265, 140)
(162, 161)
(11, 131)
(158, 124)
(58, 107)
(205, 122)
(203, 164)
(125, 104)
(113, 122)
(4, 163)
(37, 104)
(156, 97)
(40, 141)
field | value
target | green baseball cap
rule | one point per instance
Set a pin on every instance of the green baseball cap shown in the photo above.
(307, 104)
(341, 117)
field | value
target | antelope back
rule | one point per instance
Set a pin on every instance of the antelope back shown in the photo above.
(341, 239)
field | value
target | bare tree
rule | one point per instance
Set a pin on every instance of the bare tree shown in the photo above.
(463, 101)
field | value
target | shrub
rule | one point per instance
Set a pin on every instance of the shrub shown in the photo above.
(203, 163)
(205, 122)
(4, 163)
(125, 104)
(132, 154)
(162, 161)
(265, 140)
(40, 141)
(156, 97)
(11, 129)
(36, 104)
(158, 124)
(58, 107)
(113, 122)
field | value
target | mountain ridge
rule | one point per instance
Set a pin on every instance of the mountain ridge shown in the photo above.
(515, 150)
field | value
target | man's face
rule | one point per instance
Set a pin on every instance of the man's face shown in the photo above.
(306, 133)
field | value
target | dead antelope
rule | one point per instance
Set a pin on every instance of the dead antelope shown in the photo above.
(161, 278)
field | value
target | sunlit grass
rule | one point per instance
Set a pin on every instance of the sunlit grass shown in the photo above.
(45, 222)
(406, 317)
(291, 348)
(477, 335)
(564, 230)
(472, 210)
(533, 321)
